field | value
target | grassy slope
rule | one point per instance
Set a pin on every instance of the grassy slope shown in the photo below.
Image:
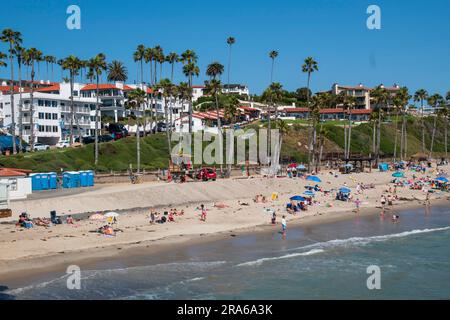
(117, 156)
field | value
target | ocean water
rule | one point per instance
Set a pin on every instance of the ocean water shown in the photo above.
(326, 261)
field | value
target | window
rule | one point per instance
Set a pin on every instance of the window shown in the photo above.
(54, 104)
(55, 128)
(75, 93)
(48, 128)
(48, 116)
(40, 103)
(41, 115)
(48, 103)
(41, 128)
(54, 116)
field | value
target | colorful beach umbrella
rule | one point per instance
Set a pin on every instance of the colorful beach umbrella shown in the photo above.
(442, 179)
(313, 178)
(309, 193)
(345, 190)
(301, 167)
(111, 215)
(96, 216)
(298, 198)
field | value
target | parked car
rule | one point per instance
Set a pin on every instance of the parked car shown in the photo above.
(105, 138)
(206, 174)
(160, 127)
(39, 147)
(63, 144)
(118, 129)
(86, 140)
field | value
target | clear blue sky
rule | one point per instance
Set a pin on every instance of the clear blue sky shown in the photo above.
(412, 48)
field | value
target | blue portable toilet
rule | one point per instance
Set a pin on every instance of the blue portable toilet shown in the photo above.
(84, 178)
(53, 184)
(90, 178)
(45, 181)
(35, 181)
(71, 179)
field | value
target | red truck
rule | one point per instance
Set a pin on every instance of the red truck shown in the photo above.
(206, 174)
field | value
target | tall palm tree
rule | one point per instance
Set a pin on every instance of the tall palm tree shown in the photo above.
(400, 102)
(139, 56)
(231, 111)
(349, 103)
(49, 60)
(2, 57)
(117, 71)
(158, 56)
(20, 56)
(444, 113)
(136, 99)
(421, 95)
(272, 55)
(309, 66)
(73, 64)
(167, 89)
(214, 86)
(230, 42)
(381, 98)
(13, 38)
(149, 56)
(97, 65)
(184, 92)
(435, 101)
(189, 59)
(172, 58)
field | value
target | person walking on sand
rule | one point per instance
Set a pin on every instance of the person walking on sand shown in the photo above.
(383, 201)
(203, 216)
(283, 225)
(357, 204)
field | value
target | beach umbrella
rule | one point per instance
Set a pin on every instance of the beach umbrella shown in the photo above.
(96, 216)
(309, 193)
(301, 167)
(298, 198)
(442, 179)
(313, 178)
(292, 165)
(345, 190)
(111, 215)
(398, 174)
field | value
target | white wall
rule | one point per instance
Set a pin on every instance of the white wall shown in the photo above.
(23, 186)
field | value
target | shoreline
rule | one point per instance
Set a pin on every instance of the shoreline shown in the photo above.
(24, 269)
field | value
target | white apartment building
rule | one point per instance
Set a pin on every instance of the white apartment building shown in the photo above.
(236, 89)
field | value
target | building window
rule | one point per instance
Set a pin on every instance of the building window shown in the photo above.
(75, 93)
(54, 104)
(40, 103)
(41, 128)
(55, 128)
(55, 116)
(41, 115)
(48, 103)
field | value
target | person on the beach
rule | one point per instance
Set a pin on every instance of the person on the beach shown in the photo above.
(69, 220)
(171, 217)
(274, 217)
(203, 216)
(152, 217)
(427, 199)
(383, 201)
(283, 225)
(395, 218)
(357, 204)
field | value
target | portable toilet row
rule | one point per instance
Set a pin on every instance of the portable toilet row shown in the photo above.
(71, 179)
(87, 178)
(43, 181)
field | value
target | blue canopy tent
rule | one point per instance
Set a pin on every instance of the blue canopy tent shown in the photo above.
(298, 198)
(383, 167)
(313, 178)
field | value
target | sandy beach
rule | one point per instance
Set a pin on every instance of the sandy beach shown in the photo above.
(41, 247)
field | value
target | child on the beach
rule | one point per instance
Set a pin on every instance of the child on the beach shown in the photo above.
(283, 225)
(203, 216)
(274, 217)
(357, 204)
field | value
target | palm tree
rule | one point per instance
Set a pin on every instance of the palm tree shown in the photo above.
(230, 42)
(167, 89)
(421, 95)
(309, 66)
(139, 56)
(172, 58)
(189, 59)
(20, 55)
(13, 38)
(117, 71)
(444, 113)
(161, 58)
(32, 56)
(136, 99)
(96, 67)
(400, 102)
(380, 97)
(348, 103)
(283, 128)
(435, 101)
(73, 64)
(214, 87)
(49, 60)
(2, 57)
(230, 112)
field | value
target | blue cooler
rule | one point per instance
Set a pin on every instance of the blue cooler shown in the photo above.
(35, 181)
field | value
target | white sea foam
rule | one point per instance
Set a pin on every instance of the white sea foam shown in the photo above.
(354, 241)
(287, 256)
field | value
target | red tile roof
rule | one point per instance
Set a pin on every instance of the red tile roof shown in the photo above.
(331, 110)
(105, 86)
(52, 88)
(7, 89)
(360, 111)
(245, 108)
(8, 172)
(296, 110)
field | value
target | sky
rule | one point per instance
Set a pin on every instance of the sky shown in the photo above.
(411, 49)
